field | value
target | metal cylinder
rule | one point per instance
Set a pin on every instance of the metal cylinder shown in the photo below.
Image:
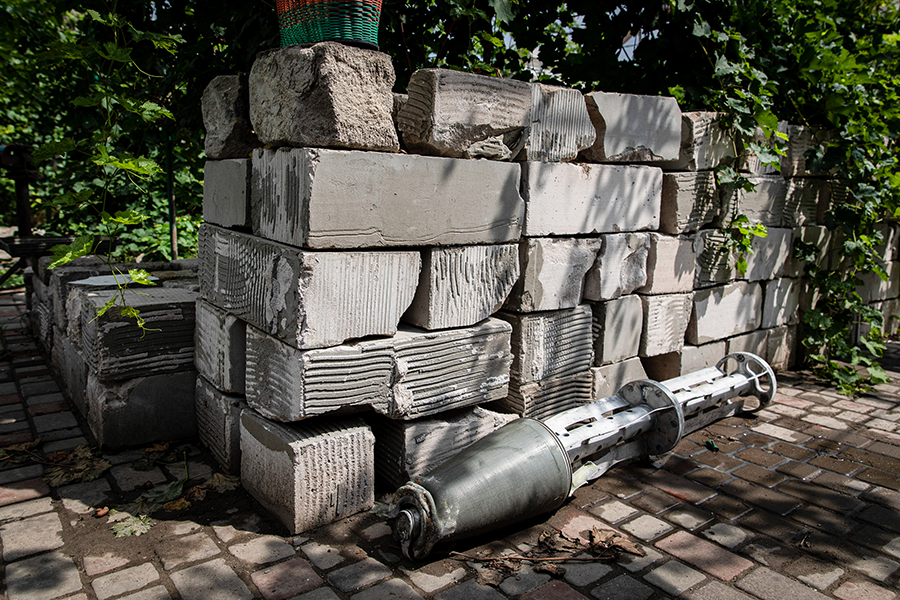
(520, 471)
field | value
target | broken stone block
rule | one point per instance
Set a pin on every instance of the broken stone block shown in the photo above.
(560, 124)
(620, 268)
(77, 291)
(461, 286)
(800, 139)
(609, 379)
(633, 128)
(781, 303)
(670, 265)
(546, 398)
(553, 272)
(69, 364)
(665, 321)
(307, 299)
(771, 255)
(689, 201)
(310, 474)
(115, 347)
(753, 342)
(781, 347)
(564, 199)
(764, 205)
(220, 344)
(617, 326)
(325, 95)
(714, 262)
(320, 198)
(704, 144)
(142, 410)
(550, 344)
(218, 424)
(806, 200)
(226, 118)
(407, 450)
(687, 360)
(724, 311)
(226, 192)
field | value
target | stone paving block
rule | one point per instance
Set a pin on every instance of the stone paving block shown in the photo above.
(633, 128)
(622, 587)
(186, 549)
(323, 593)
(128, 478)
(525, 580)
(393, 589)
(286, 580)
(95, 565)
(262, 550)
(327, 94)
(863, 590)
(825, 498)
(306, 299)
(126, 580)
(220, 343)
(704, 143)
(582, 574)
(81, 497)
(613, 512)
(430, 583)
(689, 201)
(771, 500)
(564, 199)
(226, 192)
(666, 319)
(20, 474)
(646, 527)
(616, 329)
(27, 508)
(39, 387)
(323, 557)
(620, 267)
(727, 535)
(609, 379)
(781, 433)
(759, 476)
(724, 311)
(460, 286)
(690, 518)
(711, 558)
(670, 265)
(211, 579)
(813, 572)
(554, 590)
(635, 564)
(226, 118)
(679, 487)
(46, 576)
(470, 590)
(674, 577)
(52, 422)
(279, 464)
(30, 536)
(770, 256)
(155, 593)
(359, 574)
(218, 423)
(876, 567)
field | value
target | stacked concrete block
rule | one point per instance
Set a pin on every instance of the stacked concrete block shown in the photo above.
(764, 205)
(800, 140)
(821, 239)
(218, 423)
(671, 265)
(891, 316)
(632, 128)
(617, 327)
(68, 361)
(226, 192)
(77, 292)
(684, 361)
(226, 118)
(753, 342)
(723, 311)
(806, 200)
(220, 347)
(781, 347)
(781, 303)
(705, 144)
(553, 273)
(875, 289)
(689, 201)
(543, 399)
(770, 255)
(714, 261)
(609, 379)
(665, 322)
(620, 268)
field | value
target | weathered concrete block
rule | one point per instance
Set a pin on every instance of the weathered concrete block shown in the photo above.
(874, 289)
(763, 205)
(41, 318)
(632, 128)
(670, 265)
(220, 347)
(307, 299)
(689, 201)
(311, 474)
(218, 424)
(550, 344)
(58, 286)
(723, 311)
(142, 410)
(407, 450)
(891, 313)
(226, 192)
(456, 114)
(563, 199)
(546, 398)
(821, 239)
(461, 286)
(114, 346)
(76, 292)
(753, 342)
(684, 361)
(69, 364)
(714, 262)
(887, 249)
(781, 304)
(321, 198)
(325, 95)
(781, 347)
(665, 320)
(704, 144)
(609, 379)
(806, 200)
(771, 255)
(800, 139)
(620, 268)
(553, 272)
(751, 162)
(617, 327)
(226, 118)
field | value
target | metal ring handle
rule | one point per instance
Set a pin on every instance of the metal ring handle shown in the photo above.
(754, 369)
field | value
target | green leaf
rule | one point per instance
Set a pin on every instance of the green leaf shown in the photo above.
(110, 51)
(765, 154)
(94, 100)
(702, 29)
(54, 148)
(72, 198)
(66, 253)
(141, 277)
(503, 9)
(723, 67)
(132, 526)
(124, 217)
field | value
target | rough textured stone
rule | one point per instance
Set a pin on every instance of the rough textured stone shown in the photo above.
(616, 329)
(226, 118)
(770, 256)
(724, 311)
(548, 396)
(46, 576)
(308, 475)
(633, 128)
(608, 379)
(753, 342)
(714, 262)
(459, 287)
(781, 347)
(320, 198)
(212, 579)
(123, 581)
(781, 303)
(765, 204)
(704, 144)
(806, 200)
(307, 299)
(220, 343)
(620, 268)
(687, 360)
(666, 318)
(689, 201)
(30, 536)
(800, 139)
(329, 94)
(226, 192)
(564, 199)
(822, 239)
(218, 424)
(670, 265)
(288, 579)
(69, 362)
(553, 271)
(874, 288)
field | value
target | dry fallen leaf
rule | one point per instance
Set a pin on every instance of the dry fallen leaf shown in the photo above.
(555, 570)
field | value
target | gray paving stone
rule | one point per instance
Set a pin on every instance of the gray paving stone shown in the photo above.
(523, 581)
(286, 580)
(727, 535)
(322, 556)
(613, 512)
(4, 410)
(30, 536)
(96, 565)
(875, 567)
(27, 509)
(768, 585)
(582, 574)
(189, 548)
(470, 590)
(646, 527)
(7, 389)
(46, 576)
(323, 593)
(262, 550)
(66, 444)
(39, 387)
(634, 563)
(81, 497)
(61, 434)
(674, 577)
(432, 583)
(123, 581)
(54, 421)
(718, 591)
(155, 593)
(129, 479)
(45, 399)
(622, 587)
(212, 579)
(21, 473)
(13, 425)
(393, 589)
(358, 575)
(689, 517)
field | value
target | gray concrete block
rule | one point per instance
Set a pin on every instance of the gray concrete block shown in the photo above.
(806, 200)
(714, 263)
(822, 239)
(800, 139)
(671, 265)
(461, 286)
(771, 255)
(633, 128)
(320, 198)
(874, 288)
(306, 299)
(116, 349)
(684, 361)
(751, 162)
(218, 424)
(406, 450)
(781, 347)
(689, 201)
(620, 268)
(220, 347)
(891, 314)
(608, 379)
(142, 410)
(704, 144)
(545, 398)
(560, 124)
(765, 204)
(226, 118)
(76, 292)
(781, 303)
(553, 271)
(308, 475)
(58, 286)
(617, 326)
(724, 311)
(70, 365)
(325, 95)
(226, 192)
(753, 342)
(564, 199)
(665, 321)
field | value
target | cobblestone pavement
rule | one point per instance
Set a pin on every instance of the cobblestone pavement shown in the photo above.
(799, 503)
